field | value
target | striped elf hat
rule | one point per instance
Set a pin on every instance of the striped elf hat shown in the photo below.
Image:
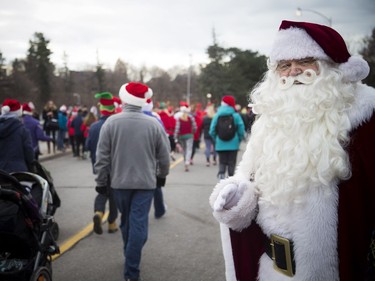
(107, 106)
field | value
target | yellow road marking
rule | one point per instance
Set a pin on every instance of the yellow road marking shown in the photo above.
(70, 242)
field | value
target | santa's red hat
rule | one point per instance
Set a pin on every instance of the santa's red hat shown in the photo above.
(229, 100)
(26, 109)
(298, 40)
(184, 106)
(11, 106)
(135, 93)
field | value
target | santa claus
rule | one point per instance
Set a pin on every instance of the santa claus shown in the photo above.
(301, 205)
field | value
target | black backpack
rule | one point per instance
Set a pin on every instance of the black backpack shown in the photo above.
(225, 127)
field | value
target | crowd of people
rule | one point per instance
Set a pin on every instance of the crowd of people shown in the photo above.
(302, 194)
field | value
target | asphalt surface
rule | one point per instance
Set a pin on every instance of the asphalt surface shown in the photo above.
(183, 245)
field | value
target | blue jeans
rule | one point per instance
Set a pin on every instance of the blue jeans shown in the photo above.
(134, 206)
(210, 145)
(60, 139)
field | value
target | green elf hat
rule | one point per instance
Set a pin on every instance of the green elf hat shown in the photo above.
(106, 101)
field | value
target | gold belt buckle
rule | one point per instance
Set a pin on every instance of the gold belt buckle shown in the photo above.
(288, 257)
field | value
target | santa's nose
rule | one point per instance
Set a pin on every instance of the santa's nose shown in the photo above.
(295, 70)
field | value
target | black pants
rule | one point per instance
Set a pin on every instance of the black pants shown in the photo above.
(80, 143)
(227, 159)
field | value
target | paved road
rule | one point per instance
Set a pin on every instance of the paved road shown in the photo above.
(182, 246)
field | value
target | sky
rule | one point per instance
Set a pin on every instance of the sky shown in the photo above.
(165, 33)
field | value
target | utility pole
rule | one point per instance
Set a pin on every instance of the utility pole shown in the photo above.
(188, 82)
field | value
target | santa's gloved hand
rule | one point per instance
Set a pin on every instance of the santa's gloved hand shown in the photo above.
(229, 196)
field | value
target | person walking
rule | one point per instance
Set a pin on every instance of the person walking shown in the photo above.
(78, 134)
(85, 127)
(227, 129)
(72, 143)
(184, 132)
(159, 206)
(301, 205)
(198, 118)
(106, 108)
(131, 146)
(35, 129)
(208, 140)
(50, 124)
(62, 118)
(16, 151)
(169, 123)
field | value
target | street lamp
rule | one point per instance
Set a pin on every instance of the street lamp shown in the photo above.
(299, 13)
(209, 96)
(188, 94)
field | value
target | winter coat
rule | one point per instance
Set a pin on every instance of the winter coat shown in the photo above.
(331, 232)
(233, 144)
(93, 137)
(16, 151)
(36, 132)
(130, 148)
(76, 125)
(168, 121)
(63, 121)
(185, 129)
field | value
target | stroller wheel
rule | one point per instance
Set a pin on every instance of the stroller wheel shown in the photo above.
(41, 274)
(55, 231)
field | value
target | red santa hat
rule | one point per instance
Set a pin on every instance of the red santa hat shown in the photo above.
(148, 106)
(298, 40)
(229, 100)
(184, 107)
(117, 102)
(26, 109)
(135, 93)
(11, 106)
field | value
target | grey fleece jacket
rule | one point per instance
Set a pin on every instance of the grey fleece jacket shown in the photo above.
(132, 148)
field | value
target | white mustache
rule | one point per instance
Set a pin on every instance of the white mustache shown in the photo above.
(307, 77)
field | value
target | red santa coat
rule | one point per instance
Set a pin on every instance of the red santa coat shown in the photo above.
(329, 233)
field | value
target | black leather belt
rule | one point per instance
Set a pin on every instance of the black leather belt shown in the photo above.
(280, 250)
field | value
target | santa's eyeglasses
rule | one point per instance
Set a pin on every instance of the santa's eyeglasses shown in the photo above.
(286, 65)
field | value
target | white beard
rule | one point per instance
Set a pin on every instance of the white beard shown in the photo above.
(297, 142)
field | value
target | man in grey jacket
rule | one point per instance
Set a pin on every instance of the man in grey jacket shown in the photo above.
(130, 146)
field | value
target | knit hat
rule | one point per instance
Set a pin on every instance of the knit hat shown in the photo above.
(106, 102)
(184, 107)
(162, 105)
(229, 100)
(148, 106)
(135, 93)
(26, 109)
(298, 40)
(11, 106)
(63, 108)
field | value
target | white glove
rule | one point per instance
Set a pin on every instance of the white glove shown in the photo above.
(229, 196)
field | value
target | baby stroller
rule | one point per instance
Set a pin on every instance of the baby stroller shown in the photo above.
(40, 170)
(26, 220)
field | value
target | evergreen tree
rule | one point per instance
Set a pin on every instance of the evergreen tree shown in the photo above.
(368, 53)
(231, 72)
(2, 71)
(39, 67)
